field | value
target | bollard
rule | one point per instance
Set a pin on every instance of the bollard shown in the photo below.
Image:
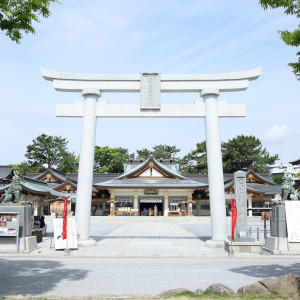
(67, 252)
(265, 226)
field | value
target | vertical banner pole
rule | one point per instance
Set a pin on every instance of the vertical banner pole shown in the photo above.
(233, 218)
(65, 219)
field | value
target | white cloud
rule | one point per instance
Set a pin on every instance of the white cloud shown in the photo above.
(278, 133)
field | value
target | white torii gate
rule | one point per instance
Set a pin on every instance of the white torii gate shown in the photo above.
(150, 86)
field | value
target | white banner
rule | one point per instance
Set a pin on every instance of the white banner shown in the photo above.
(71, 241)
(292, 211)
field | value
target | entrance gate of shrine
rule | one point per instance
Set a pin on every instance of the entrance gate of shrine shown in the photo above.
(150, 86)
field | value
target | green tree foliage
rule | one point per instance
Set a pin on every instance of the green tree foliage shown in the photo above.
(245, 152)
(18, 16)
(25, 168)
(69, 163)
(195, 161)
(278, 179)
(165, 152)
(242, 152)
(110, 160)
(291, 38)
(51, 151)
(159, 152)
(143, 153)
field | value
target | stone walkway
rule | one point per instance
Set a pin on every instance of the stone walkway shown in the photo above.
(142, 237)
(149, 239)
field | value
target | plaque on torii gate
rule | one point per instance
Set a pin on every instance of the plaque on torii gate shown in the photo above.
(150, 86)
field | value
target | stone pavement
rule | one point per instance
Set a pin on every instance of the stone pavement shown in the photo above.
(143, 237)
(146, 239)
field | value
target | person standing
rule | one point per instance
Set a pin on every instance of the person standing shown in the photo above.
(42, 222)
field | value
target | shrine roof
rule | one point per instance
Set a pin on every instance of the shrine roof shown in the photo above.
(62, 177)
(70, 182)
(295, 162)
(264, 189)
(36, 187)
(264, 178)
(97, 177)
(155, 162)
(203, 178)
(167, 178)
(151, 183)
(5, 172)
(39, 187)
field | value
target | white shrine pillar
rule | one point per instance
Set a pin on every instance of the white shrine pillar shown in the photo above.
(166, 203)
(250, 214)
(215, 169)
(136, 201)
(86, 167)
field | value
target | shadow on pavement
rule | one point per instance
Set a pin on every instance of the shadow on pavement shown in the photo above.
(271, 270)
(23, 277)
(203, 231)
(204, 238)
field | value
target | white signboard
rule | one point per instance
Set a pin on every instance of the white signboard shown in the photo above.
(71, 241)
(3, 231)
(292, 210)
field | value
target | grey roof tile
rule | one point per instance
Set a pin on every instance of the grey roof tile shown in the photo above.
(36, 187)
(151, 182)
(144, 163)
(5, 171)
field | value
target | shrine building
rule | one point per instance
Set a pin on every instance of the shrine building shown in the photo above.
(154, 184)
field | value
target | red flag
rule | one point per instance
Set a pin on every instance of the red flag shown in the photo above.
(233, 217)
(65, 219)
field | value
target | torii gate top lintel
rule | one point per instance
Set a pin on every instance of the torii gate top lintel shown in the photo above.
(150, 86)
(76, 82)
(251, 74)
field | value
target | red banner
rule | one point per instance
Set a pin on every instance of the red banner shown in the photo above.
(65, 219)
(233, 217)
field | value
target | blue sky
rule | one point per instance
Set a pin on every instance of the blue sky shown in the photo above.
(166, 36)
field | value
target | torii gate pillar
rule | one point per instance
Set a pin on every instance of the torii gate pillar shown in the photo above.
(86, 166)
(215, 168)
(150, 86)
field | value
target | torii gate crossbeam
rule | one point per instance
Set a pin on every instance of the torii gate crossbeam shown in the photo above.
(150, 86)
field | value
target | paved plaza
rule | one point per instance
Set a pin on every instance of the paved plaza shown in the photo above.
(145, 237)
(137, 256)
(60, 276)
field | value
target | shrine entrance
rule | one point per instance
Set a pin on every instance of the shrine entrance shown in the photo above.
(150, 86)
(149, 205)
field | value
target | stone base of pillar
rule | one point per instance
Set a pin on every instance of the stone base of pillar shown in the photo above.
(242, 247)
(86, 243)
(214, 244)
(281, 246)
(276, 243)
